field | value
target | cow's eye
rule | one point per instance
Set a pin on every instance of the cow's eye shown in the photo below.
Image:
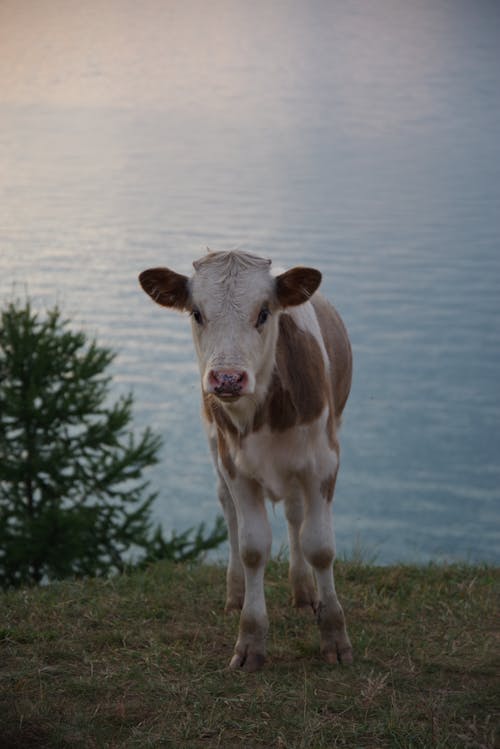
(263, 315)
(197, 316)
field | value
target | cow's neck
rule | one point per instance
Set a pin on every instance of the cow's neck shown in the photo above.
(241, 413)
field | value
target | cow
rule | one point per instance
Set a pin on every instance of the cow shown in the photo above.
(276, 365)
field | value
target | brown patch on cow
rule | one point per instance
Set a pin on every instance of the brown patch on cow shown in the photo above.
(166, 287)
(327, 487)
(298, 389)
(226, 430)
(297, 285)
(321, 559)
(251, 558)
(339, 352)
(249, 624)
(225, 455)
(207, 410)
(215, 411)
(281, 412)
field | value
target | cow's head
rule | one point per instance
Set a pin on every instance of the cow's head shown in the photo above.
(235, 304)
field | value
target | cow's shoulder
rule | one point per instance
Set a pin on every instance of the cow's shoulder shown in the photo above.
(298, 390)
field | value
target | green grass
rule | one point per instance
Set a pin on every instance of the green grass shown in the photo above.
(141, 661)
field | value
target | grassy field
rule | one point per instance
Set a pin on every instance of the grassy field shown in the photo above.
(141, 661)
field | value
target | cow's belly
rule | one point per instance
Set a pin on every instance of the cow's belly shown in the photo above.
(277, 459)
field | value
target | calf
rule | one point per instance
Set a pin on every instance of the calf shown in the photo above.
(275, 365)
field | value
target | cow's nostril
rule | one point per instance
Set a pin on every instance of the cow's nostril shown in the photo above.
(213, 377)
(227, 381)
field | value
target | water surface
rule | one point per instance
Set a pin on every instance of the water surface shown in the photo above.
(359, 138)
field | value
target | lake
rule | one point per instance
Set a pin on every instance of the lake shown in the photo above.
(360, 138)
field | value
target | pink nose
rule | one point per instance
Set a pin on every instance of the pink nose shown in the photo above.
(226, 382)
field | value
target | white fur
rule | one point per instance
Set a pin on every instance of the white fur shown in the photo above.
(277, 461)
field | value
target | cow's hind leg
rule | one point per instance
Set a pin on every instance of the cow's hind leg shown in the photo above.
(318, 545)
(304, 592)
(235, 576)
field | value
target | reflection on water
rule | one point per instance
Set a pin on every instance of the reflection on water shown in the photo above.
(359, 138)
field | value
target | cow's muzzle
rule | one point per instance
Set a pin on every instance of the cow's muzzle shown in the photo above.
(227, 383)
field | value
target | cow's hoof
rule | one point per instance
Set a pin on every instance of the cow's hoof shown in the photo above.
(248, 661)
(305, 602)
(332, 657)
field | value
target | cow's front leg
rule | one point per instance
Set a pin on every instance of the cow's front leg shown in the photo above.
(254, 534)
(235, 577)
(317, 539)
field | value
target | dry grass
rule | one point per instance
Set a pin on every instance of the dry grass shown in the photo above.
(140, 661)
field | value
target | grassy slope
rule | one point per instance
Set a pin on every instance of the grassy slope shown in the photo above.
(140, 661)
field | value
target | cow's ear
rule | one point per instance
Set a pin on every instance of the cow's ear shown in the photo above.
(297, 285)
(166, 287)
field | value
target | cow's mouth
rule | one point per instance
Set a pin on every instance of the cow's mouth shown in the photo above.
(227, 395)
